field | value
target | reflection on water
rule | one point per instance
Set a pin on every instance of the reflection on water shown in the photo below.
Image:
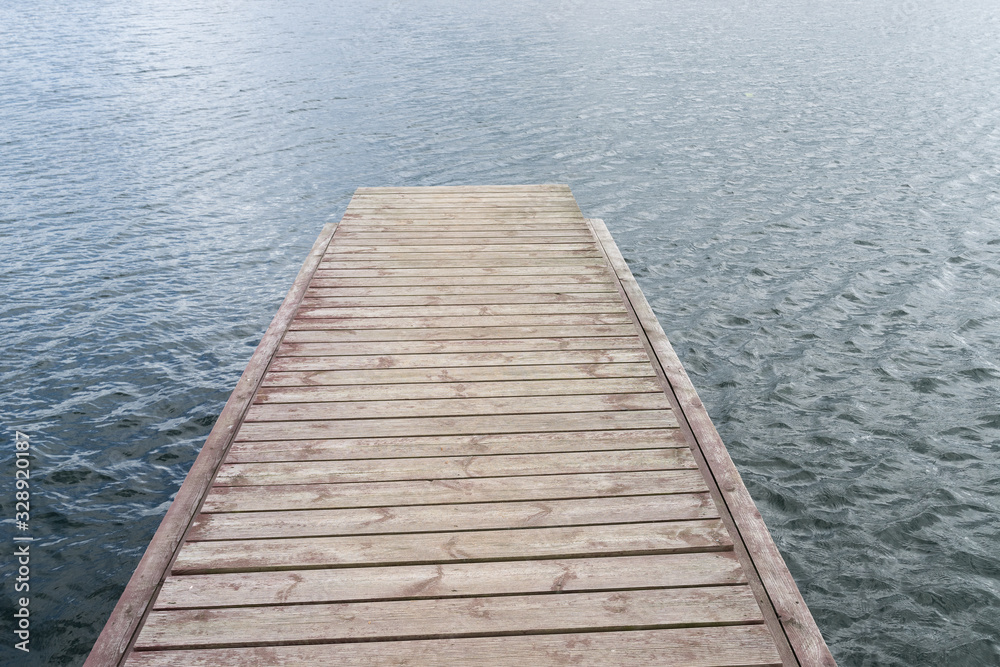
(807, 194)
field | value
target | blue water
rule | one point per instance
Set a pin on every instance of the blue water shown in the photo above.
(807, 192)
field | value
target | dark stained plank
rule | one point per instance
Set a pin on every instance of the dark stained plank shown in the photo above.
(443, 468)
(449, 580)
(413, 548)
(726, 646)
(444, 491)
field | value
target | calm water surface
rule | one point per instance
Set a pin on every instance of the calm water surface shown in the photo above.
(807, 192)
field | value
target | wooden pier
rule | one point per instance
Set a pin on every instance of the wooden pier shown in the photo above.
(464, 440)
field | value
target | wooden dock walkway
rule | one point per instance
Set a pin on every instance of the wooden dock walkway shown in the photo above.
(464, 440)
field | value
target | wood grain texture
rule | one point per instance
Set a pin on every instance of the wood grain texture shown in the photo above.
(474, 425)
(414, 391)
(442, 518)
(319, 362)
(727, 646)
(454, 407)
(461, 375)
(417, 619)
(468, 445)
(285, 497)
(444, 468)
(449, 580)
(409, 549)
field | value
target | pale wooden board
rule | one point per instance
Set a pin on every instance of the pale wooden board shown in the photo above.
(393, 392)
(529, 189)
(545, 228)
(449, 580)
(319, 300)
(435, 278)
(461, 333)
(477, 217)
(442, 518)
(726, 646)
(450, 407)
(481, 424)
(575, 271)
(456, 360)
(482, 261)
(454, 290)
(457, 375)
(442, 468)
(414, 548)
(507, 249)
(474, 445)
(414, 619)
(585, 319)
(494, 238)
(390, 312)
(291, 348)
(444, 491)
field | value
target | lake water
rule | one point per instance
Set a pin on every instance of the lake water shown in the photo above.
(808, 193)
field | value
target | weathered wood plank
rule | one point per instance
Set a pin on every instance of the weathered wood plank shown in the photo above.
(458, 261)
(291, 348)
(468, 445)
(426, 227)
(461, 333)
(393, 392)
(414, 548)
(453, 360)
(463, 238)
(449, 580)
(453, 407)
(320, 300)
(440, 468)
(726, 646)
(584, 319)
(369, 278)
(428, 492)
(415, 619)
(481, 424)
(453, 290)
(444, 518)
(511, 249)
(458, 374)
